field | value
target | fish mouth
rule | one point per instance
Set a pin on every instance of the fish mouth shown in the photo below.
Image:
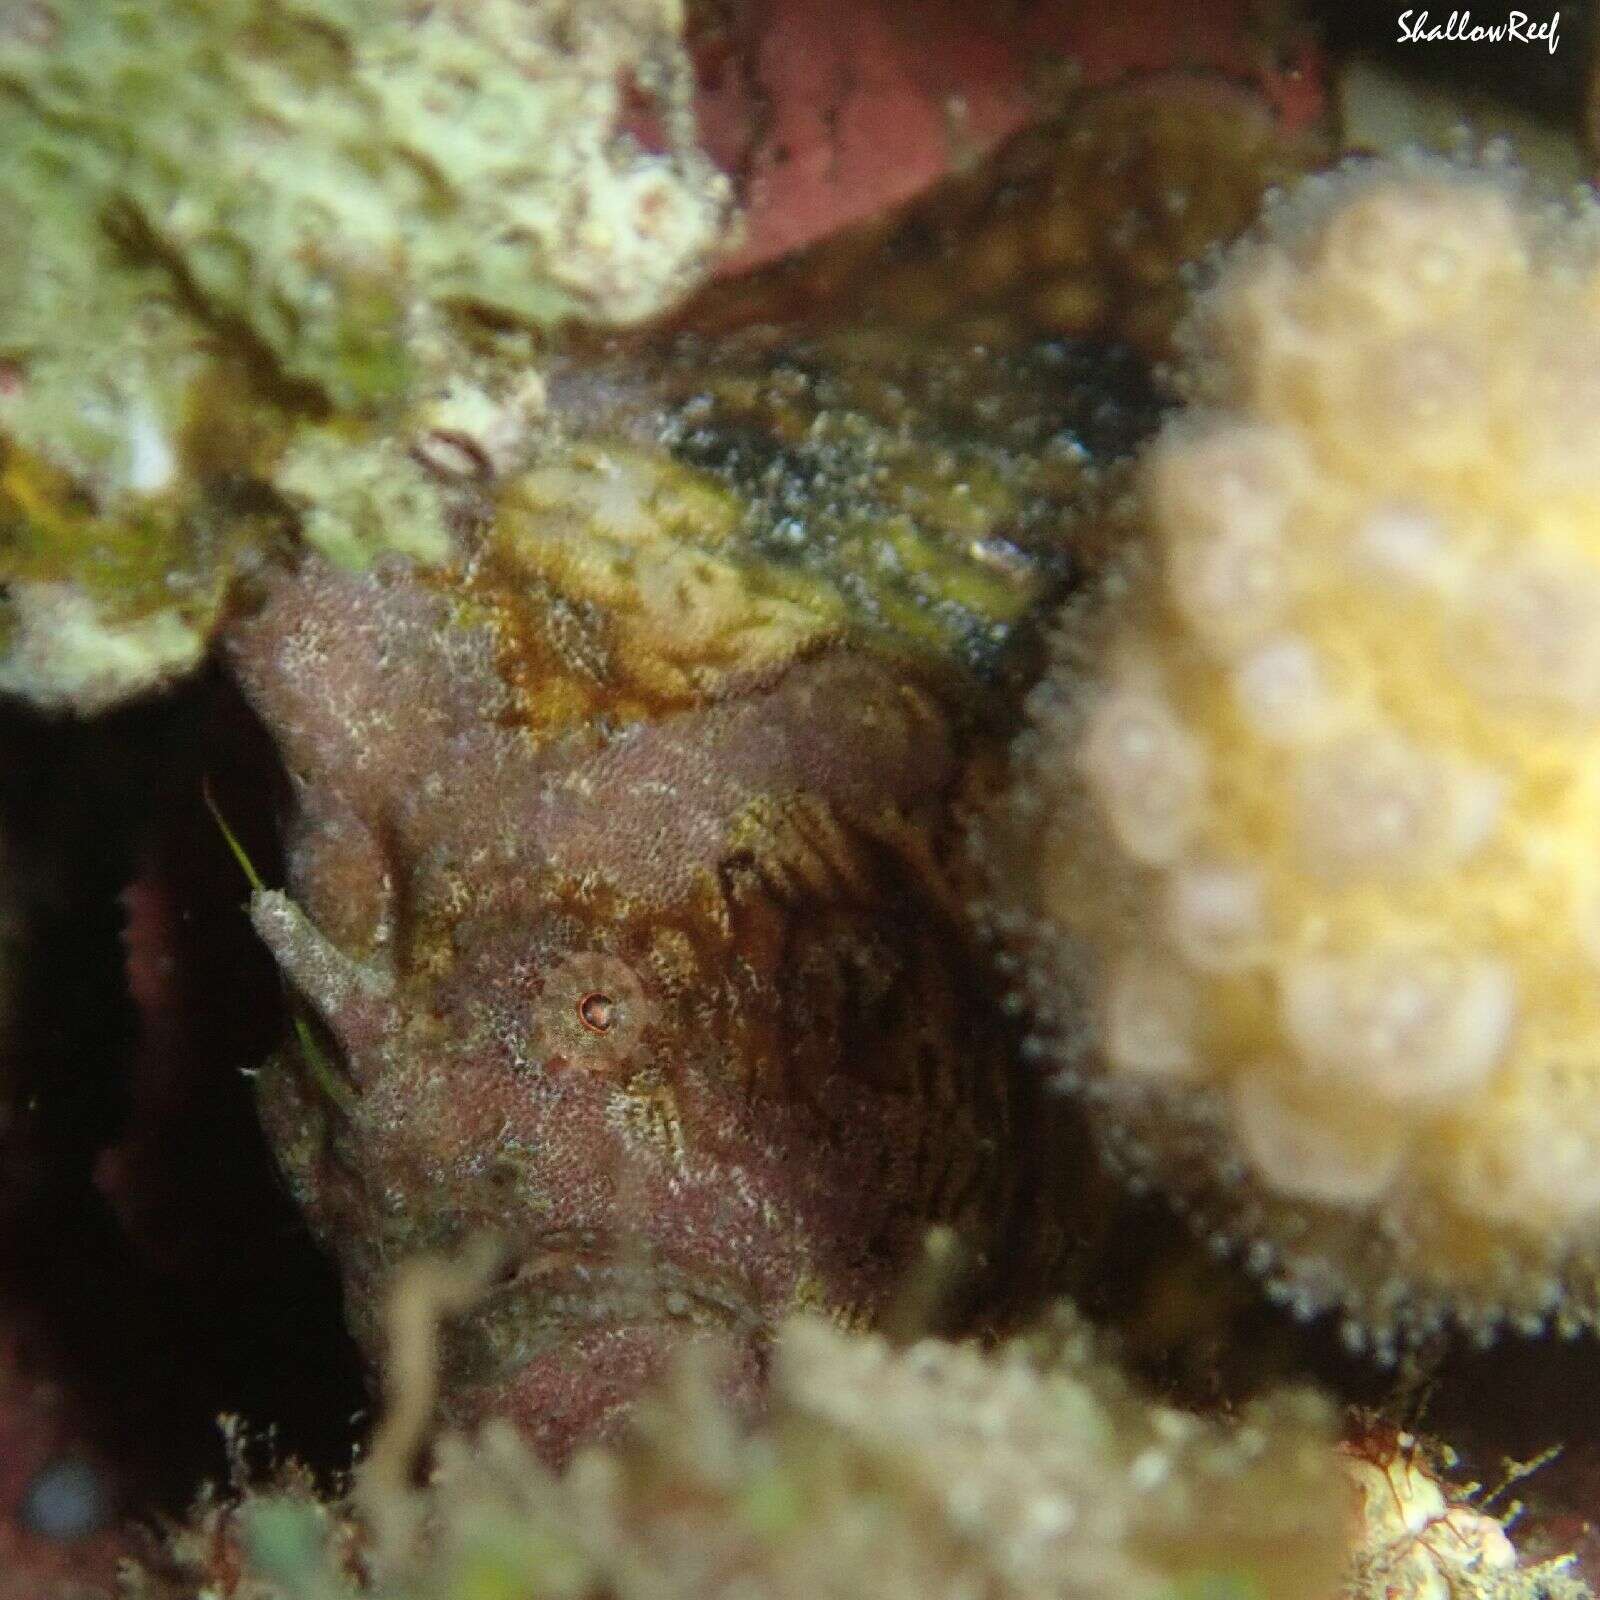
(568, 1285)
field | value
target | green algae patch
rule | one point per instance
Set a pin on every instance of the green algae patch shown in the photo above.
(920, 495)
(322, 173)
(359, 494)
(99, 607)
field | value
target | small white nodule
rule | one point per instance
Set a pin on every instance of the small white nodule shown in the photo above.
(1147, 771)
(1216, 914)
(152, 461)
(1532, 632)
(1309, 1149)
(1400, 1026)
(1536, 1164)
(1374, 804)
(1282, 691)
(1232, 585)
(1150, 1018)
(1223, 501)
(1403, 544)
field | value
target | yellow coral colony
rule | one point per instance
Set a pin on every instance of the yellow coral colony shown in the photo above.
(1309, 812)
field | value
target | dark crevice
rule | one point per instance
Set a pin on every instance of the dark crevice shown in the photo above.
(143, 1229)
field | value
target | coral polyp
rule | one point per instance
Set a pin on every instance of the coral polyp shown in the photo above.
(1305, 817)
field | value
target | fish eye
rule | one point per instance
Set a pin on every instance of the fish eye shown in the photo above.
(592, 1011)
(597, 1011)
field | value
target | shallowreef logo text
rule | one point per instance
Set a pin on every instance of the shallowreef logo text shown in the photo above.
(1518, 28)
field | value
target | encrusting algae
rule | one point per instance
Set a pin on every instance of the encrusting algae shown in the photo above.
(1032, 1468)
(332, 329)
(1300, 872)
(367, 165)
(913, 493)
(202, 358)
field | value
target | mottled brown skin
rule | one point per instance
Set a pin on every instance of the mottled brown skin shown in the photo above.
(675, 1007)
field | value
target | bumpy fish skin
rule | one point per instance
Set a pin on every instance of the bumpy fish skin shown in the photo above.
(674, 1007)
